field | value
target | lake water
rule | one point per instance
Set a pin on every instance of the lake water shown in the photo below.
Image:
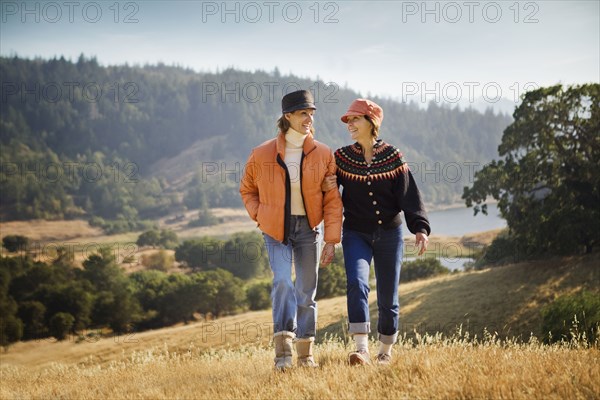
(457, 222)
(460, 221)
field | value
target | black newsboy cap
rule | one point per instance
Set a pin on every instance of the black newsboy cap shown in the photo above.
(298, 100)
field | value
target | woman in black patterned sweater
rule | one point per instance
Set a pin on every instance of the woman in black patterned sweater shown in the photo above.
(377, 186)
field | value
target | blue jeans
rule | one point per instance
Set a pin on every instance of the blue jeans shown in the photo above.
(294, 306)
(385, 246)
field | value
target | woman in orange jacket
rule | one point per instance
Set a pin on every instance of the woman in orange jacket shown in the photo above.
(281, 189)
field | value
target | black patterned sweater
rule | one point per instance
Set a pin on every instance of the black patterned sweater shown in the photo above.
(375, 194)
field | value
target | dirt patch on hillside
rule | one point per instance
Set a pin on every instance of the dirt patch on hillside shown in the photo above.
(233, 220)
(481, 238)
(43, 231)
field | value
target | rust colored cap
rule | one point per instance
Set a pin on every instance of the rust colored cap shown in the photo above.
(364, 107)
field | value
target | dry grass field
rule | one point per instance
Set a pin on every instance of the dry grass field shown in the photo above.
(435, 368)
(45, 237)
(78, 236)
(45, 231)
(82, 239)
(233, 220)
(464, 336)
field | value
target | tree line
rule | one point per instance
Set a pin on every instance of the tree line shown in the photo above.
(39, 300)
(56, 299)
(547, 183)
(224, 277)
(82, 140)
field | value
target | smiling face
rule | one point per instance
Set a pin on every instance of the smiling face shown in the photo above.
(360, 128)
(301, 120)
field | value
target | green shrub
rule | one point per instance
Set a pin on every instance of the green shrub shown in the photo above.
(111, 227)
(11, 330)
(165, 238)
(421, 269)
(259, 296)
(332, 281)
(571, 315)
(160, 261)
(61, 324)
(243, 254)
(504, 249)
(168, 239)
(149, 238)
(14, 243)
(205, 218)
(32, 314)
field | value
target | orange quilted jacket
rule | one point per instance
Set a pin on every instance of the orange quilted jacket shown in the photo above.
(265, 189)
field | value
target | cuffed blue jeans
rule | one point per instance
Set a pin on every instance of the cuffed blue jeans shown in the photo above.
(294, 306)
(385, 247)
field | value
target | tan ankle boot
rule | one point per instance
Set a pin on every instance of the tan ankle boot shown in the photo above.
(283, 349)
(304, 348)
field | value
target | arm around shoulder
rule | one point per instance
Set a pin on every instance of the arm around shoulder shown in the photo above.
(332, 208)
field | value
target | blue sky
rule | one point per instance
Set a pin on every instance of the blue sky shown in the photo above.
(420, 51)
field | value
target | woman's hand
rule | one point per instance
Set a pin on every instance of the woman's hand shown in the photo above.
(327, 254)
(329, 183)
(422, 241)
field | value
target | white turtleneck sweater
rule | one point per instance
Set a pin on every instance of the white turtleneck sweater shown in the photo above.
(294, 142)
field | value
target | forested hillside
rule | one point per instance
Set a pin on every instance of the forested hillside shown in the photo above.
(129, 142)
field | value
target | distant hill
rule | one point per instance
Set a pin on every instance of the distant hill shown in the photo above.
(125, 142)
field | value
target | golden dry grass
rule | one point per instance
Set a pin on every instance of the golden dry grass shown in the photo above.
(45, 231)
(231, 357)
(79, 231)
(76, 236)
(79, 236)
(481, 238)
(434, 368)
(234, 220)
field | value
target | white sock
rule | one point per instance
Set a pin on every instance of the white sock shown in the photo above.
(385, 348)
(362, 342)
